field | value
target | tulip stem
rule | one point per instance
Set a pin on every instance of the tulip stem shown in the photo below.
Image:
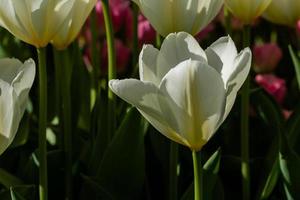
(111, 66)
(43, 179)
(67, 122)
(198, 187)
(173, 177)
(95, 51)
(245, 168)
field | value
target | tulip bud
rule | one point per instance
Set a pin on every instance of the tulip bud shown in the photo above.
(247, 10)
(16, 80)
(179, 15)
(185, 92)
(266, 57)
(273, 85)
(285, 12)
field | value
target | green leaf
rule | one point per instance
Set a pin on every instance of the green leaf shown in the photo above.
(8, 180)
(122, 170)
(289, 166)
(15, 196)
(270, 182)
(296, 63)
(23, 192)
(292, 129)
(270, 113)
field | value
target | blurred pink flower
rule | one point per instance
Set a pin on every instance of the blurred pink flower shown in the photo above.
(146, 33)
(205, 32)
(274, 85)
(298, 27)
(122, 54)
(266, 57)
(120, 12)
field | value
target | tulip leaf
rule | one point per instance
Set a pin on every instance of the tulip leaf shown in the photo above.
(270, 181)
(122, 169)
(296, 63)
(92, 190)
(289, 163)
(9, 180)
(22, 192)
(292, 129)
(270, 113)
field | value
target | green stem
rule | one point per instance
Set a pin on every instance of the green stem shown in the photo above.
(111, 66)
(62, 60)
(67, 121)
(173, 178)
(158, 40)
(43, 179)
(198, 187)
(245, 168)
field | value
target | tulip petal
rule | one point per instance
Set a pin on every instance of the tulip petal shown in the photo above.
(153, 10)
(147, 64)
(147, 98)
(176, 48)
(73, 23)
(9, 113)
(242, 65)
(196, 95)
(221, 55)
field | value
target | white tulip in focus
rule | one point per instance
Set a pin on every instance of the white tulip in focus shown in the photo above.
(285, 12)
(185, 92)
(34, 21)
(73, 23)
(16, 80)
(168, 16)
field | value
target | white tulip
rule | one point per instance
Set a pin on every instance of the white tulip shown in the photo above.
(16, 80)
(185, 92)
(73, 23)
(168, 16)
(247, 10)
(285, 12)
(34, 21)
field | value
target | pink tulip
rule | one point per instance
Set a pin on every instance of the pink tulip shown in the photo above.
(122, 53)
(266, 57)
(120, 12)
(274, 85)
(146, 33)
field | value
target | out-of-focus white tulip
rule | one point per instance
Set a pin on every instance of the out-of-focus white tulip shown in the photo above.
(247, 10)
(168, 16)
(185, 92)
(73, 23)
(16, 80)
(34, 21)
(285, 12)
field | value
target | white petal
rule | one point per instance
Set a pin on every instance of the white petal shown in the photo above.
(10, 115)
(242, 65)
(73, 23)
(147, 64)
(176, 48)
(221, 55)
(147, 98)
(196, 95)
